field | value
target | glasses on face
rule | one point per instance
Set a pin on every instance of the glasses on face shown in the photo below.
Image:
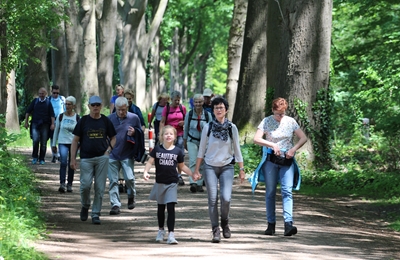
(219, 108)
(68, 104)
(95, 104)
(56, 93)
(198, 102)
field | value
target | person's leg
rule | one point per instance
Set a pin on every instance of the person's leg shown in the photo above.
(129, 176)
(86, 178)
(64, 151)
(286, 174)
(113, 169)
(161, 215)
(100, 179)
(211, 179)
(226, 183)
(171, 216)
(44, 137)
(271, 179)
(35, 142)
(71, 172)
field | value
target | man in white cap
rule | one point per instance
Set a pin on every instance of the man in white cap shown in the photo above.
(96, 135)
(208, 96)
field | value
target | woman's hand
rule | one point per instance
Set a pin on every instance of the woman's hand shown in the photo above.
(146, 176)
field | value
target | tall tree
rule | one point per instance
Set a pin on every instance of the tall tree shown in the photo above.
(107, 33)
(299, 36)
(235, 48)
(250, 103)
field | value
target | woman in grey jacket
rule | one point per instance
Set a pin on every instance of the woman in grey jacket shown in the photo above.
(220, 149)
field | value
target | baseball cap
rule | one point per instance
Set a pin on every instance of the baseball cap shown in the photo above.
(95, 99)
(207, 92)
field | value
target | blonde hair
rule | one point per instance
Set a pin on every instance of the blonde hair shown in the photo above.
(163, 130)
(163, 95)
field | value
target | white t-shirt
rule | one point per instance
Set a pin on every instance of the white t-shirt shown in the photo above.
(63, 130)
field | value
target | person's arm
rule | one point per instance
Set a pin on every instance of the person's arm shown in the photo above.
(258, 139)
(74, 149)
(55, 135)
(111, 107)
(147, 168)
(302, 140)
(113, 140)
(183, 168)
(27, 120)
(162, 122)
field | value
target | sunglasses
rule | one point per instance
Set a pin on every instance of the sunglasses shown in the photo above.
(95, 104)
(56, 93)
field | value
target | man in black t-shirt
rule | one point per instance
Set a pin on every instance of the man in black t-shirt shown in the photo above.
(96, 135)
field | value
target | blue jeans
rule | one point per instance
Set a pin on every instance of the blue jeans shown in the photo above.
(224, 175)
(40, 135)
(65, 157)
(93, 169)
(114, 167)
(193, 148)
(283, 174)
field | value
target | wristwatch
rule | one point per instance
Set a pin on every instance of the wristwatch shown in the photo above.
(241, 169)
(109, 151)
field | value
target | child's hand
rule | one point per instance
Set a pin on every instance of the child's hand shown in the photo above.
(196, 176)
(146, 176)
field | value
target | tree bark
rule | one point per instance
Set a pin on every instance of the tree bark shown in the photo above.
(3, 62)
(299, 54)
(89, 58)
(174, 63)
(73, 37)
(12, 123)
(250, 99)
(107, 33)
(235, 47)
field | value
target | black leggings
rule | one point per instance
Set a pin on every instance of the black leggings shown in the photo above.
(171, 216)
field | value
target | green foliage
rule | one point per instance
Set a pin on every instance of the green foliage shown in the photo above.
(20, 219)
(252, 154)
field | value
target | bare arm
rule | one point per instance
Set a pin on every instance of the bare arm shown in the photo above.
(147, 168)
(258, 139)
(74, 149)
(162, 122)
(153, 113)
(302, 140)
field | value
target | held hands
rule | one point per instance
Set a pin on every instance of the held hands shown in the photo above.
(196, 175)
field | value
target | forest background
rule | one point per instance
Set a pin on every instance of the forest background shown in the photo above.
(337, 62)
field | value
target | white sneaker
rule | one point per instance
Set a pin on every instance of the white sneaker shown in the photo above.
(171, 239)
(160, 235)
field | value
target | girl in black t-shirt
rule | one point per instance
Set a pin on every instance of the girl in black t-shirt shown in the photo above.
(167, 158)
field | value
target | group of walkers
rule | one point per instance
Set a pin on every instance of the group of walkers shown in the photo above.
(109, 146)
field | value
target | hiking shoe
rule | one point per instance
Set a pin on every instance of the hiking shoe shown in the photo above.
(226, 232)
(34, 160)
(115, 210)
(69, 188)
(62, 188)
(193, 187)
(84, 213)
(290, 229)
(96, 221)
(171, 239)
(54, 159)
(121, 188)
(160, 235)
(180, 181)
(270, 230)
(216, 233)
(131, 203)
(200, 189)
(41, 162)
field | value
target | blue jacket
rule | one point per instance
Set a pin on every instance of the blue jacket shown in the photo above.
(258, 174)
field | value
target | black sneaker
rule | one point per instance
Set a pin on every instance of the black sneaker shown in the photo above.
(200, 189)
(290, 229)
(270, 230)
(69, 188)
(193, 187)
(121, 188)
(54, 159)
(115, 210)
(216, 233)
(180, 181)
(131, 203)
(62, 188)
(84, 213)
(96, 220)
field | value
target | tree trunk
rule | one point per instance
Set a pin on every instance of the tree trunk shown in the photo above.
(250, 99)
(107, 33)
(12, 123)
(298, 63)
(3, 62)
(235, 47)
(89, 58)
(73, 36)
(174, 63)
(59, 71)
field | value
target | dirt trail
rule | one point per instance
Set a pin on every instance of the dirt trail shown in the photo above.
(340, 228)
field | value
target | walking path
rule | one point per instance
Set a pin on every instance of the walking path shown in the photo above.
(339, 228)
